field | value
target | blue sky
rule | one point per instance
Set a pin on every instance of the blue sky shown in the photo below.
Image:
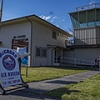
(53, 11)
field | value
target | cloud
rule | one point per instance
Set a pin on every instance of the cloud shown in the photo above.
(49, 18)
(71, 32)
(53, 19)
(45, 17)
(92, 1)
(63, 20)
(57, 25)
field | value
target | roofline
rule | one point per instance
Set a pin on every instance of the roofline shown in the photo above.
(81, 11)
(17, 18)
(68, 34)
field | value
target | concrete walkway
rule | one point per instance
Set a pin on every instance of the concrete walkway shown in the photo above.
(36, 90)
(47, 85)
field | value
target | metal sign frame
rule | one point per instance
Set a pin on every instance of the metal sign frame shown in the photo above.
(3, 91)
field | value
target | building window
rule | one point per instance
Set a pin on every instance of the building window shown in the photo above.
(44, 52)
(38, 51)
(41, 52)
(54, 35)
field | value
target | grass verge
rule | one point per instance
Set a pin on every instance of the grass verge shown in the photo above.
(44, 73)
(86, 90)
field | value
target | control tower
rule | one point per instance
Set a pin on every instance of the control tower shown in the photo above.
(86, 24)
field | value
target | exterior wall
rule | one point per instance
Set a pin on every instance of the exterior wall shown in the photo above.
(86, 53)
(42, 36)
(69, 54)
(8, 32)
(85, 36)
(98, 35)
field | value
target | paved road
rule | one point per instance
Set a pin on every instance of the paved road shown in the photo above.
(37, 89)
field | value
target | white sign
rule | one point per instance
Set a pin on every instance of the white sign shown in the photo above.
(9, 68)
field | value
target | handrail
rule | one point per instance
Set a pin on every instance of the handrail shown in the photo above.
(75, 61)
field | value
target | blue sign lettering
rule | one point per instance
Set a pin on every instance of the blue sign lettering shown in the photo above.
(3, 75)
(13, 73)
(8, 52)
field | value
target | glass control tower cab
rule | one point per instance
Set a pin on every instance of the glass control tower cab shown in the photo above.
(86, 24)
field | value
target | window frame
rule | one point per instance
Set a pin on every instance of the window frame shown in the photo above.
(54, 35)
(44, 52)
(41, 51)
(38, 54)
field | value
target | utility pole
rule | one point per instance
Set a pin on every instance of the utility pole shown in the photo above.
(1, 7)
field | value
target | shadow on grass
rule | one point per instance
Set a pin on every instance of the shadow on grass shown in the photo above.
(60, 92)
(61, 82)
(69, 67)
(27, 94)
(23, 74)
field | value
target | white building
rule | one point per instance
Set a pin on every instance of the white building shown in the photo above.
(44, 41)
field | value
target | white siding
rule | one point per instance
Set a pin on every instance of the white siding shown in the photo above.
(43, 37)
(9, 31)
(70, 54)
(85, 36)
(15, 29)
(98, 35)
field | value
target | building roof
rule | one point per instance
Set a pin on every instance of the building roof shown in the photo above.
(38, 19)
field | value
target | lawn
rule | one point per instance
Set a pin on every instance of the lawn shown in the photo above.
(44, 73)
(86, 90)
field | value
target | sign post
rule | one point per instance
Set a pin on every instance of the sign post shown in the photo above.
(24, 57)
(10, 72)
(25, 62)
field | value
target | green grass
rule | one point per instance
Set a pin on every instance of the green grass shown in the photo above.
(86, 90)
(44, 73)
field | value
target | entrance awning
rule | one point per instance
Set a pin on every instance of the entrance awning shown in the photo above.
(55, 46)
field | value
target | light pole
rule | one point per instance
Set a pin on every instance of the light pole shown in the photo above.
(1, 7)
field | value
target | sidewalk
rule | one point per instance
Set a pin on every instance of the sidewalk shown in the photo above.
(47, 85)
(36, 90)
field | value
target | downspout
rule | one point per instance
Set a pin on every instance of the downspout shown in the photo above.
(31, 40)
(52, 56)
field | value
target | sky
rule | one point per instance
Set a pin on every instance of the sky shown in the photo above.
(53, 11)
